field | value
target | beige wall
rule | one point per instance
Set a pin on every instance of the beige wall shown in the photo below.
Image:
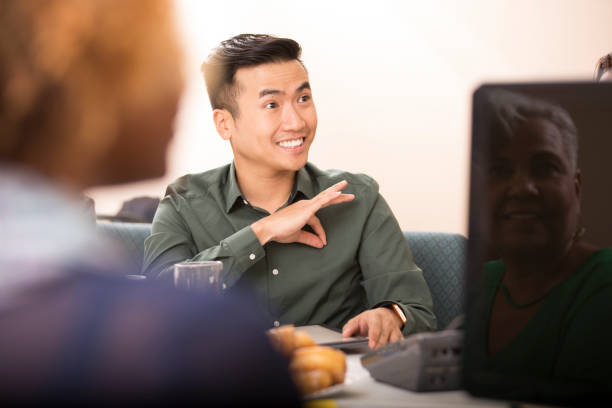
(392, 81)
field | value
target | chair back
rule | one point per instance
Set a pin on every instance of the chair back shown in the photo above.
(129, 237)
(442, 257)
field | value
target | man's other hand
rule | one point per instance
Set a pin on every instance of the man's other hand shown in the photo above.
(381, 325)
(286, 225)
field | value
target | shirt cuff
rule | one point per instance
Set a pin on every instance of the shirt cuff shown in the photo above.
(245, 249)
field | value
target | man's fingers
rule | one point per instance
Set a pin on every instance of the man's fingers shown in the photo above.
(323, 198)
(350, 327)
(389, 335)
(339, 186)
(310, 239)
(342, 198)
(330, 193)
(396, 335)
(315, 223)
(374, 332)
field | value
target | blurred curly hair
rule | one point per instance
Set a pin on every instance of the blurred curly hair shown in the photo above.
(70, 68)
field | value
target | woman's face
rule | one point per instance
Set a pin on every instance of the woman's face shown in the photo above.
(533, 192)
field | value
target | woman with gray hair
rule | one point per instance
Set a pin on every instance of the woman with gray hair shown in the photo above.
(548, 307)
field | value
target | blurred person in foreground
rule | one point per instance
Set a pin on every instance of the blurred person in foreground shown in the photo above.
(316, 246)
(88, 93)
(549, 292)
(603, 69)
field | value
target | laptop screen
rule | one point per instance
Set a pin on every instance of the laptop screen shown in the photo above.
(539, 280)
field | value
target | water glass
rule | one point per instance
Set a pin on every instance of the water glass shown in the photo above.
(200, 276)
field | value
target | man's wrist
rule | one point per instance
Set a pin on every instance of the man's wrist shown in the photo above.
(396, 309)
(260, 231)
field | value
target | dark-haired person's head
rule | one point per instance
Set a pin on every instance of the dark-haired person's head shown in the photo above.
(243, 50)
(262, 102)
(603, 69)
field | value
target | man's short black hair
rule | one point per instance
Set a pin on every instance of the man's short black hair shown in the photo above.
(242, 50)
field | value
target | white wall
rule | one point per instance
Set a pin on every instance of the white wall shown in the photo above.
(392, 82)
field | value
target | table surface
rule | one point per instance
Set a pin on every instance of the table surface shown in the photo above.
(361, 390)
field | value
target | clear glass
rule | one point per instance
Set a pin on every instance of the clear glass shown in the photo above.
(200, 276)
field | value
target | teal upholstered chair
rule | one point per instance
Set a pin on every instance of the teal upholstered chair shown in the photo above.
(442, 257)
(130, 237)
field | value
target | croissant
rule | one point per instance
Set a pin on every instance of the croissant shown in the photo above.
(312, 367)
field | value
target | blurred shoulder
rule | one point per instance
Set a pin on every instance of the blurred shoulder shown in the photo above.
(199, 184)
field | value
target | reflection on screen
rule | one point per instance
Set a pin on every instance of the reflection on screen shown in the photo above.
(540, 242)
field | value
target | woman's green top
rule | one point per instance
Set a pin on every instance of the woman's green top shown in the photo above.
(570, 335)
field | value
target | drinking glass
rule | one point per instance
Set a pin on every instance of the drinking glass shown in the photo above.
(200, 276)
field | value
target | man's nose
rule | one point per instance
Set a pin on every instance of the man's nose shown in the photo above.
(292, 119)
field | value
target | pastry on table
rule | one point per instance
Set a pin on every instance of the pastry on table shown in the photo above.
(312, 367)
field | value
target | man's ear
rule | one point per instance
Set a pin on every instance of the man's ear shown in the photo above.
(224, 122)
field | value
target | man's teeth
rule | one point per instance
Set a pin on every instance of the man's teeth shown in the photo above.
(291, 143)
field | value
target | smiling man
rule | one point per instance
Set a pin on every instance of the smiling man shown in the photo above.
(316, 247)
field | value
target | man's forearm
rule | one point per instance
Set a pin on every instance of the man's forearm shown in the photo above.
(238, 252)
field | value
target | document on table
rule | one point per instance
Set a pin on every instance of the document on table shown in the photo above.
(326, 336)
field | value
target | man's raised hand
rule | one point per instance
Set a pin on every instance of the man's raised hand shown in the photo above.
(286, 225)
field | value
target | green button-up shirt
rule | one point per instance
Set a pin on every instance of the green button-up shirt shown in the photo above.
(366, 260)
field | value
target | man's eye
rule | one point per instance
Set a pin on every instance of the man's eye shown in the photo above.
(271, 105)
(304, 98)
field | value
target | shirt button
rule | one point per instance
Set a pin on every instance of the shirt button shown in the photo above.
(252, 256)
(276, 323)
(274, 271)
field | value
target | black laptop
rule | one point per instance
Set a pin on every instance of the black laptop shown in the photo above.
(556, 354)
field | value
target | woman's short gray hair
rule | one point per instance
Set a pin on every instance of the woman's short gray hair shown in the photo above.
(509, 110)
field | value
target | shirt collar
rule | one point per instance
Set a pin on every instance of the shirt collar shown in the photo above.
(303, 184)
(232, 191)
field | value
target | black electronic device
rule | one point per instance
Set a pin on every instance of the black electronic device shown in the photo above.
(428, 361)
(420, 362)
(537, 370)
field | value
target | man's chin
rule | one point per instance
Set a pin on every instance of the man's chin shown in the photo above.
(295, 165)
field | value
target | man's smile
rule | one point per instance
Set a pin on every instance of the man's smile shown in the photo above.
(292, 143)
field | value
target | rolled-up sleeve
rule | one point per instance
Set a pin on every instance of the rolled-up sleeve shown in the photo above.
(171, 241)
(389, 271)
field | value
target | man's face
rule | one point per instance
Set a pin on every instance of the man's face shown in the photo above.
(276, 119)
(533, 192)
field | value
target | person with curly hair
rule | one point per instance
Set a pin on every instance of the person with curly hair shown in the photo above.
(88, 94)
